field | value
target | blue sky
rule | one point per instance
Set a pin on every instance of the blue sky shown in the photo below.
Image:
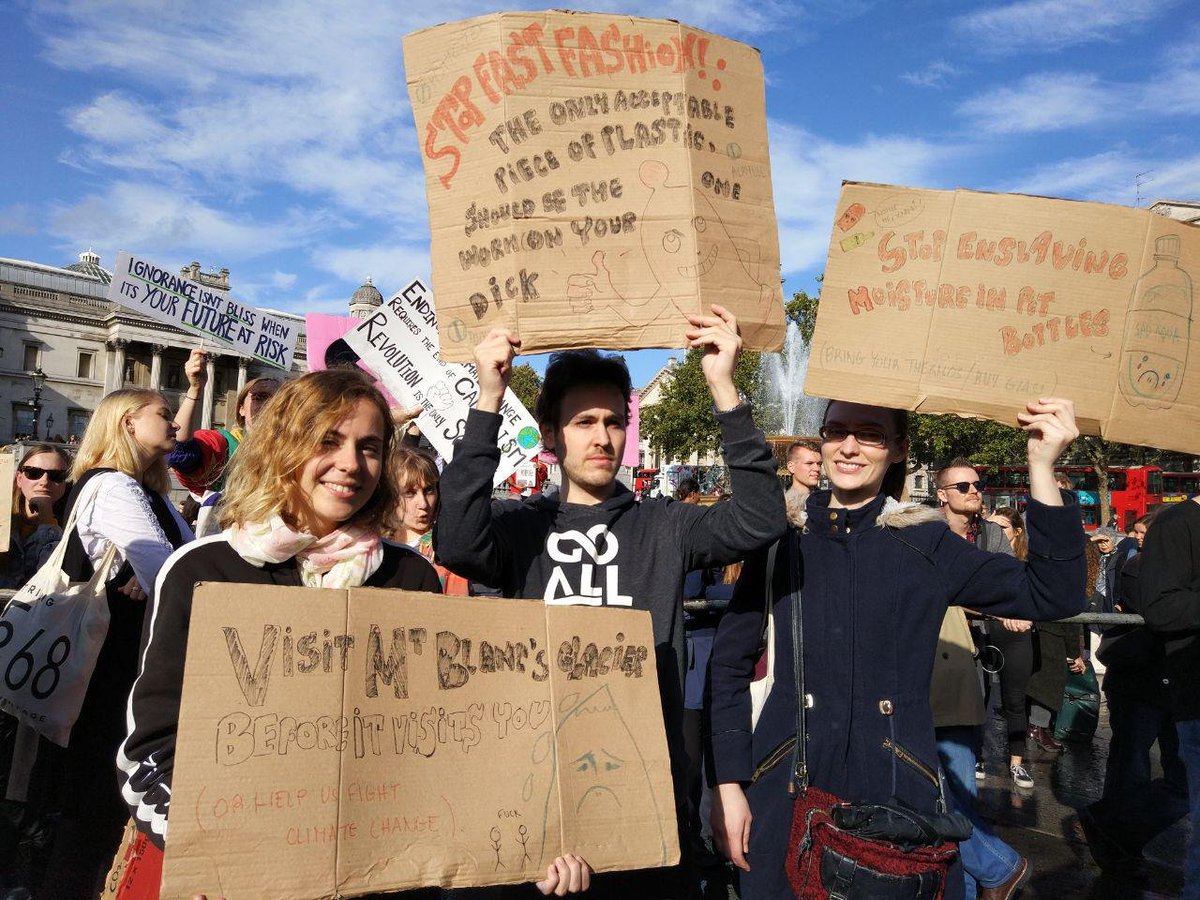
(275, 138)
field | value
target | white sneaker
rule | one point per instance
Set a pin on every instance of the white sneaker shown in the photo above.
(1020, 776)
(979, 773)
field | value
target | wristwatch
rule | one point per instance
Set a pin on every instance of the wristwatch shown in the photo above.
(743, 400)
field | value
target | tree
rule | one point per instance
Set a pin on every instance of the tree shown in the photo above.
(526, 384)
(682, 423)
(935, 440)
(802, 309)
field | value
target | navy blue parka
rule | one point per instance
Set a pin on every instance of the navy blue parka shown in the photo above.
(876, 582)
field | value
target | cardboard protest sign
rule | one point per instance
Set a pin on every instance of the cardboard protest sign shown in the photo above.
(335, 742)
(974, 303)
(398, 344)
(591, 178)
(8, 467)
(214, 315)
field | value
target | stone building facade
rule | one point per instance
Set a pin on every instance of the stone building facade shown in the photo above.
(57, 321)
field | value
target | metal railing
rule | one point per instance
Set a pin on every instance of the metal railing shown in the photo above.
(701, 606)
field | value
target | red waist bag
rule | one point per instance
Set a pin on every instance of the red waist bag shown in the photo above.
(825, 861)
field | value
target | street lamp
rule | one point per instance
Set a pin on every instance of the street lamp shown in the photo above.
(38, 377)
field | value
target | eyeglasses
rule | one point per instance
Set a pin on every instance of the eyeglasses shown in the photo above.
(964, 487)
(33, 473)
(868, 437)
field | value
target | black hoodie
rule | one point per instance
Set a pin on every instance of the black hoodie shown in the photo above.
(621, 552)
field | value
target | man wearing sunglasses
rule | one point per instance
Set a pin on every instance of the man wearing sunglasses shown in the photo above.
(958, 700)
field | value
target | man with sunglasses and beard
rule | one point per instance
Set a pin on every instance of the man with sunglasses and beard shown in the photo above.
(958, 698)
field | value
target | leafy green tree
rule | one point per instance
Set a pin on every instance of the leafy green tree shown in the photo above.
(802, 309)
(935, 440)
(526, 384)
(682, 422)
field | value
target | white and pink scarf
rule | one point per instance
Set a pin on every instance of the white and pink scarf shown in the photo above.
(342, 559)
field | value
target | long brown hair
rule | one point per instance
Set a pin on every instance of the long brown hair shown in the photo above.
(1020, 539)
(264, 475)
(1092, 554)
(108, 443)
(412, 470)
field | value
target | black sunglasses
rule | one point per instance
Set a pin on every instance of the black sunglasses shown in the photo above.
(33, 473)
(964, 487)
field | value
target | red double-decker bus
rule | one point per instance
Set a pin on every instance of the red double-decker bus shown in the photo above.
(1178, 486)
(1133, 490)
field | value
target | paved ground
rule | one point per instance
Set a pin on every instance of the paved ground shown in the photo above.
(1042, 825)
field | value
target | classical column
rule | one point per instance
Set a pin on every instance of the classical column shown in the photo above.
(206, 411)
(241, 373)
(156, 352)
(114, 373)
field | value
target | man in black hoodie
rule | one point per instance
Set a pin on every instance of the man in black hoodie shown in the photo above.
(593, 543)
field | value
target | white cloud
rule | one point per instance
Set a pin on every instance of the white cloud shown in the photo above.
(1050, 25)
(1109, 178)
(1056, 101)
(160, 222)
(390, 264)
(933, 75)
(1049, 101)
(283, 280)
(807, 172)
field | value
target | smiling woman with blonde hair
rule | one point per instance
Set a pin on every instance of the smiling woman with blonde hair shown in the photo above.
(306, 498)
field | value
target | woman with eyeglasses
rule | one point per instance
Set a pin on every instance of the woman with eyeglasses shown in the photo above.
(874, 578)
(121, 481)
(38, 489)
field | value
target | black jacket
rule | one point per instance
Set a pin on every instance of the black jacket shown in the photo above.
(147, 758)
(875, 585)
(621, 552)
(1170, 592)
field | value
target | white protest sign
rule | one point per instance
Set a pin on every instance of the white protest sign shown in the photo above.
(153, 291)
(399, 344)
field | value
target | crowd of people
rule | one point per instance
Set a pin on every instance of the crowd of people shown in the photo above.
(818, 642)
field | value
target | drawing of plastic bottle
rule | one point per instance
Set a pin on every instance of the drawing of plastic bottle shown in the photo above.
(1158, 329)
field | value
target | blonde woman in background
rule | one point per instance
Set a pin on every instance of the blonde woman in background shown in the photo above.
(120, 476)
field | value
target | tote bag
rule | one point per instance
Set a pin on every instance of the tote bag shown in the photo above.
(51, 632)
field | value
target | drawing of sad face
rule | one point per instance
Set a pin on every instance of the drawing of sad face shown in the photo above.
(602, 773)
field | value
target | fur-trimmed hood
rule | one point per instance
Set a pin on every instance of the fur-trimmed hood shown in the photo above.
(902, 514)
(895, 514)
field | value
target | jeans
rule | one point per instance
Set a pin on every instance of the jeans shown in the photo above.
(986, 859)
(1135, 806)
(1189, 749)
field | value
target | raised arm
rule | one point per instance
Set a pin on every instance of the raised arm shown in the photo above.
(726, 532)
(1051, 584)
(467, 540)
(196, 370)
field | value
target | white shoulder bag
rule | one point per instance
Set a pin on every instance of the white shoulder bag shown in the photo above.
(51, 632)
